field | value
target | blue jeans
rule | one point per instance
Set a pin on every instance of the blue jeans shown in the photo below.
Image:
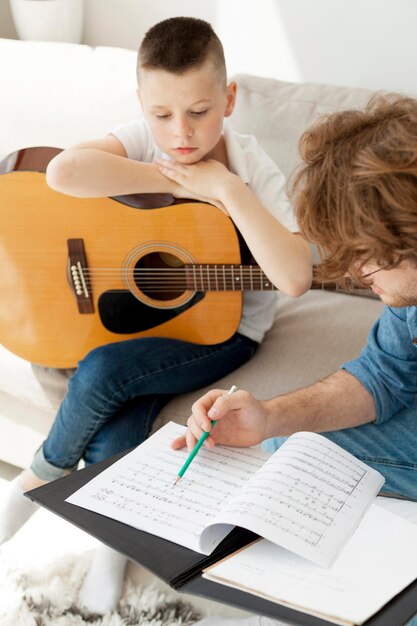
(118, 390)
(389, 447)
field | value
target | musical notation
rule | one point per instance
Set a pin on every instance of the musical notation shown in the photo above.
(138, 489)
(307, 497)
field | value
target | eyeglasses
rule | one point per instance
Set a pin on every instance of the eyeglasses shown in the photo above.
(362, 278)
(384, 267)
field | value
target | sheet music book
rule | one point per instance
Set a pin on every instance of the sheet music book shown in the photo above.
(378, 562)
(308, 497)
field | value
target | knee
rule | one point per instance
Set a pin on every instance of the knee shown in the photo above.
(97, 368)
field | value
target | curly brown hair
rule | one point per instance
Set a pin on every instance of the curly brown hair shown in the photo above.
(355, 194)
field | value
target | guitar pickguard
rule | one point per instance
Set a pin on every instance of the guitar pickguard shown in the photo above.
(120, 312)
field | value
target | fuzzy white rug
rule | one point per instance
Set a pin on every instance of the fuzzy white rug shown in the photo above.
(47, 596)
(43, 567)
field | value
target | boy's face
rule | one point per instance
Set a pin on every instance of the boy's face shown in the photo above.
(185, 112)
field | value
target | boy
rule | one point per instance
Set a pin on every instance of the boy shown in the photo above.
(118, 389)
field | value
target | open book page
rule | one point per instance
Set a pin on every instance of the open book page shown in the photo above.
(378, 562)
(138, 489)
(308, 497)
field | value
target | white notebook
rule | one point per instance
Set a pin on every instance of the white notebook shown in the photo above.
(378, 562)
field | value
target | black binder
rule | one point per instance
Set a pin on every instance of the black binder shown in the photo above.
(180, 567)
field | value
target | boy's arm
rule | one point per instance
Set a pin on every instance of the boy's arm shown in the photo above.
(285, 257)
(101, 168)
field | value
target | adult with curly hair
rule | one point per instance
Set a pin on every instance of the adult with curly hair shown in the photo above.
(355, 196)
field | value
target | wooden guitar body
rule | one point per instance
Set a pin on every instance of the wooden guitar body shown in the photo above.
(57, 305)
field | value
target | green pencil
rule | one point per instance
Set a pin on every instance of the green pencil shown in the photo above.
(197, 446)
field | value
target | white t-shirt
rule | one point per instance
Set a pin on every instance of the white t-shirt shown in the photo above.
(247, 160)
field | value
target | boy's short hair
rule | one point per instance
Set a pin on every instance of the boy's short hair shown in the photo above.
(179, 44)
(356, 192)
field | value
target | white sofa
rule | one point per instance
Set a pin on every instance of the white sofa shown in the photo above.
(59, 94)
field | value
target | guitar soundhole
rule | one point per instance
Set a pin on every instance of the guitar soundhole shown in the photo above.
(160, 276)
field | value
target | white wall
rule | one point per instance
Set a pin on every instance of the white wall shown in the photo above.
(124, 22)
(363, 43)
(359, 43)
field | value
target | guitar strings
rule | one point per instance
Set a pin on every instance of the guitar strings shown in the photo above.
(195, 277)
(203, 277)
(197, 272)
(220, 270)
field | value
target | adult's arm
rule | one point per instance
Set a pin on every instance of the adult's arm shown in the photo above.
(373, 387)
(338, 401)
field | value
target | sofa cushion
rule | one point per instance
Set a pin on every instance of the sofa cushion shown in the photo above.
(40, 387)
(277, 112)
(61, 93)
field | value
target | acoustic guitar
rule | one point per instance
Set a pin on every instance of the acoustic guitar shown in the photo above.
(79, 273)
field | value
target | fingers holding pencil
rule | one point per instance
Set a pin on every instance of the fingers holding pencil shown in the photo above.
(240, 420)
(199, 421)
(197, 447)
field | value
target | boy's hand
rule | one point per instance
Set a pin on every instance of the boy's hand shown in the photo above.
(205, 179)
(240, 420)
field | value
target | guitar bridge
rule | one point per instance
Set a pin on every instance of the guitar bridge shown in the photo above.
(77, 275)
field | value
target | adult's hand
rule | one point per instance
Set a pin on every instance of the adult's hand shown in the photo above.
(240, 420)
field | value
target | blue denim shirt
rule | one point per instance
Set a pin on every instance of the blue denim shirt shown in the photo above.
(387, 366)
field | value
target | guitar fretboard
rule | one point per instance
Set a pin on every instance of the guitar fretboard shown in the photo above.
(207, 277)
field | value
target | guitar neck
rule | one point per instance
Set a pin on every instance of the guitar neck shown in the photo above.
(210, 277)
